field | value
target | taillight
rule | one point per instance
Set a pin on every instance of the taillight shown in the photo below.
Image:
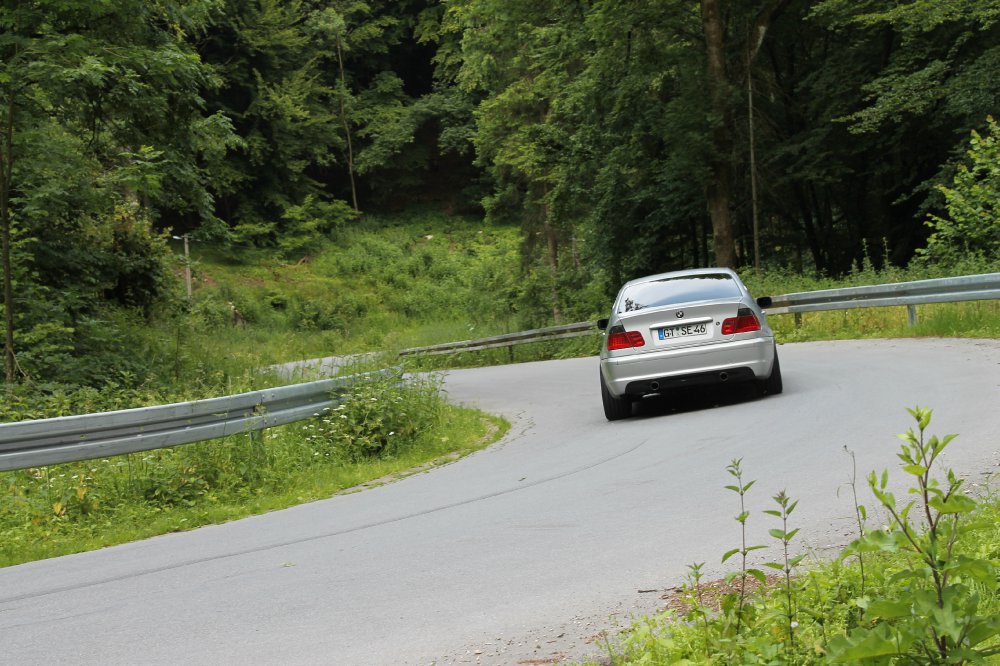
(623, 340)
(744, 322)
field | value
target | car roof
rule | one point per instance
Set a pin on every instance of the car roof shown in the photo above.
(685, 273)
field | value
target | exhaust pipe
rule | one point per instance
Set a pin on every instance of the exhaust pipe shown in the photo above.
(654, 386)
(723, 376)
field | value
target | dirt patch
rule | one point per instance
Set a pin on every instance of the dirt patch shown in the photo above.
(681, 599)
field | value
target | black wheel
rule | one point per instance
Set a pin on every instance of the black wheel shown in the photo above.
(772, 385)
(614, 408)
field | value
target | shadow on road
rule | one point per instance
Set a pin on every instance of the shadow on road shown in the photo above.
(697, 398)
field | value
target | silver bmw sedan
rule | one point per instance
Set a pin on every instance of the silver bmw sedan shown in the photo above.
(684, 328)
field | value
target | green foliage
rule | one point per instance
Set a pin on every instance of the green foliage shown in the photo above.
(312, 221)
(97, 103)
(972, 226)
(935, 615)
(376, 417)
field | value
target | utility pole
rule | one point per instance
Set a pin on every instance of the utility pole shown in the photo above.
(753, 168)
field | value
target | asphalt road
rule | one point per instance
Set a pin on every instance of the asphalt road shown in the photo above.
(523, 551)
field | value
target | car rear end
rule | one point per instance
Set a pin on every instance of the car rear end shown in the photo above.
(684, 329)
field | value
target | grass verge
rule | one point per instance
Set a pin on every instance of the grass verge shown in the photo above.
(75, 507)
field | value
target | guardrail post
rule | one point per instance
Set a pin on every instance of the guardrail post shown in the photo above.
(798, 320)
(911, 314)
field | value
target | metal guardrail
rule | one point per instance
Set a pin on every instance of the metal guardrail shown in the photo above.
(941, 290)
(536, 335)
(63, 439)
(910, 294)
(72, 438)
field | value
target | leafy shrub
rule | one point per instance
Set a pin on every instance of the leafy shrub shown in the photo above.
(972, 226)
(376, 417)
(932, 613)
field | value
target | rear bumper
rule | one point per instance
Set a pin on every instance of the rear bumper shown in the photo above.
(641, 374)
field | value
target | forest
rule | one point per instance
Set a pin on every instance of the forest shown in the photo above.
(618, 137)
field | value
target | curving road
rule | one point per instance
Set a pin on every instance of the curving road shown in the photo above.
(520, 553)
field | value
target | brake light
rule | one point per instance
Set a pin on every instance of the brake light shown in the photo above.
(744, 322)
(623, 340)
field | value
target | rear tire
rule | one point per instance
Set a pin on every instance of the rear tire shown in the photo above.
(772, 385)
(614, 408)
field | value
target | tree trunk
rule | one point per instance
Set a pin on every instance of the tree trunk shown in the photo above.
(720, 83)
(719, 189)
(6, 174)
(347, 127)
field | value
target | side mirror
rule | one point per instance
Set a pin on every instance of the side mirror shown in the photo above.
(764, 301)
(602, 324)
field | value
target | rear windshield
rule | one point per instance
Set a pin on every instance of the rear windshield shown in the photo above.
(670, 291)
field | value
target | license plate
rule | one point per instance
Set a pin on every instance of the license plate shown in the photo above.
(684, 331)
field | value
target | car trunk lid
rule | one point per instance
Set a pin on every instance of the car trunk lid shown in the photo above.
(681, 325)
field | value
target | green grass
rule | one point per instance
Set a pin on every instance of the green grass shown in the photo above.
(956, 320)
(379, 285)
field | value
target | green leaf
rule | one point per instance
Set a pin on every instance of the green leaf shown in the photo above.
(888, 609)
(879, 540)
(775, 565)
(983, 629)
(758, 575)
(777, 534)
(915, 470)
(863, 644)
(954, 504)
(751, 548)
(729, 554)
(981, 570)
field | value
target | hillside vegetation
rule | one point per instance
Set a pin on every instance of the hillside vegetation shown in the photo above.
(609, 139)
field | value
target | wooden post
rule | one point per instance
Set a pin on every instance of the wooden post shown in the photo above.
(187, 266)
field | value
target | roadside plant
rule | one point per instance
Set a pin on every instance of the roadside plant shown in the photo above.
(735, 470)
(698, 609)
(785, 536)
(860, 513)
(376, 417)
(934, 617)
